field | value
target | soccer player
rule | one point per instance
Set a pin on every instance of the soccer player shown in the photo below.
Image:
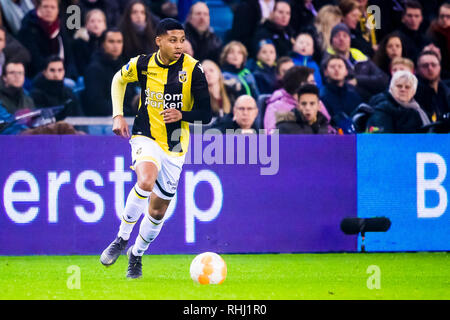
(174, 92)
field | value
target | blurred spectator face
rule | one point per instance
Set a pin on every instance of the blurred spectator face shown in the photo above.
(48, 10)
(137, 15)
(444, 17)
(199, 17)
(403, 90)
(304, 45)
(285, 67)
(429, 67)
(412, 19)
(336, 70)
(96, 23)
(311, 79)
(341, 42)
(2, 40)
(267, 54)
(308, 105)
(352, 18)
(394, 48)
(55, 71)
(235, 56)
(14, 75)
(212, 72)
(113, 44)
(245, 111)
(188, 48)
(400, 67)
(281, 14)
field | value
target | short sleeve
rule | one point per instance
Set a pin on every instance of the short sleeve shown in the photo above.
(129, 71)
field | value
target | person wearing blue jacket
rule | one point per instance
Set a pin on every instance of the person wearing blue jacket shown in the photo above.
(303, 53)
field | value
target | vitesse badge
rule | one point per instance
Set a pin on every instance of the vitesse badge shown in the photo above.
(182, 76)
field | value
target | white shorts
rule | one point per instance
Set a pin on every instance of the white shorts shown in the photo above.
(169, 168)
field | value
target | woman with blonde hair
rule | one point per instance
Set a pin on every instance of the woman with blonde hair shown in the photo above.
(238, 79)
(327, 18)
(220, 103)
(87, 39)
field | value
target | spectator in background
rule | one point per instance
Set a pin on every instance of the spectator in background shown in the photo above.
(187, 48)
(242, 120)
(264, 69)
(220, 103)
(363, 73)
(14, 11)
(48, 90)
(276, 29)
(111, 8)
(205, 43)
(247, 17)
(163, 8)
(12, 95)
(302, 17)
(238, 79)
(138, 30)
(306, 117)
(42, 35)
(413, 37)
(439, 32)
(87, 39)
(340, 98)
(303, 53)
(351, 12)
(285, 99)
(105, 63)
(390, 47)
(400, 63)
(432, 94)
(327, 18)
(398, 112)
(11, 49)
(367, 24)
(283, 65)
(7, 124)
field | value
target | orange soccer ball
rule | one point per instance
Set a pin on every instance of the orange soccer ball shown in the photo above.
(208, 268)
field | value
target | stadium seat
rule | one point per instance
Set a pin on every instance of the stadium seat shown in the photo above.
(262, 105)
(221, 17)
(360, 117)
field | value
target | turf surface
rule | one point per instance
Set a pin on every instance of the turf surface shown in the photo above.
(261, 277)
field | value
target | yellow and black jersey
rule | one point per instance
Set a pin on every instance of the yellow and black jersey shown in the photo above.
(181, 85)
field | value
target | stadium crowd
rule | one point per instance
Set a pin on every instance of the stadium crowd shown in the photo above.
(300, 66)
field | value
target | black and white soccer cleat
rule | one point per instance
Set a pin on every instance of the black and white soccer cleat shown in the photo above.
(113, 251)
(134, 265)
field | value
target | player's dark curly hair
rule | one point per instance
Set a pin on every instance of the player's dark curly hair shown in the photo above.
(168, 24)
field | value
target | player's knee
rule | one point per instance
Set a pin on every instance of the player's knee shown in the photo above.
(157, 213)
(145, 183)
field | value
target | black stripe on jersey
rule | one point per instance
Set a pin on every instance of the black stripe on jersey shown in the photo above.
(174, 87)
(141, 124)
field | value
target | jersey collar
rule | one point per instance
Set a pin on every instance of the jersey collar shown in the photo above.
(160, 64)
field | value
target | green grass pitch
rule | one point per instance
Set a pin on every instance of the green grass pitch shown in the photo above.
(253, 277)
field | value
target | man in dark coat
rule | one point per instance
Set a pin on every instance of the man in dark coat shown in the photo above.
(48, 90)
(306, 117)
(43, 36)
(100, 72)
(205, 43)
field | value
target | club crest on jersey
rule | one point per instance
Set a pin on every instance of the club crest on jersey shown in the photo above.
(182, 76)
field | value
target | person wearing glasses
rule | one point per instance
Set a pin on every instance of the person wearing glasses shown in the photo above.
(432, 93)
(12, 95)
(242, 120)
